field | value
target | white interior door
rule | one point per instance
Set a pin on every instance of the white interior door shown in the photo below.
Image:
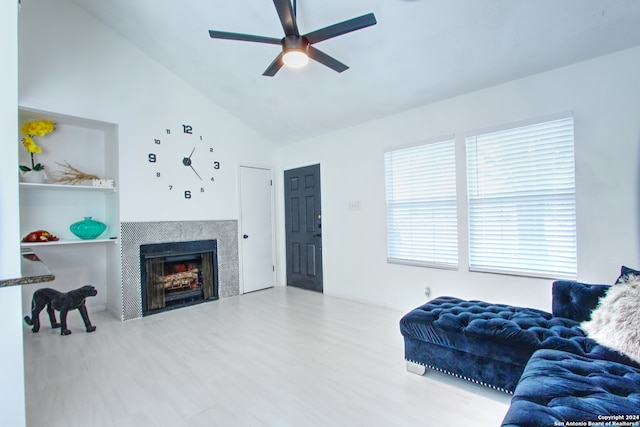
(256, 228)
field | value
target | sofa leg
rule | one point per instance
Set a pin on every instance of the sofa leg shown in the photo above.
(416, 368)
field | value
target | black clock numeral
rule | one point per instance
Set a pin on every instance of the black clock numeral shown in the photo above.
(211, 149)
(170, 187)
(168, 131)
(156, 141)
(152, 158)
(157, 174)
(202, 189)
(216, 165)
(200, 137)
(212, 179)
(187, 194)
(187, 129)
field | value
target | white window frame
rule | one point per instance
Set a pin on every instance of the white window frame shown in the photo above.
(521, 199)
(422, 222)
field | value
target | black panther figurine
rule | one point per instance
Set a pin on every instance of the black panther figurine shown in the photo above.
(63, 302)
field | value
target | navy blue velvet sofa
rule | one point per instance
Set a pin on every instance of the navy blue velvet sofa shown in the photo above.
(555, 372)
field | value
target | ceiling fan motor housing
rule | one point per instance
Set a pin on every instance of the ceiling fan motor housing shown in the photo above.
(298, 43)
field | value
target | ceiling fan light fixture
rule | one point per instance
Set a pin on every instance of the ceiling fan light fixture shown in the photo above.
(295, 58)
(295, 50)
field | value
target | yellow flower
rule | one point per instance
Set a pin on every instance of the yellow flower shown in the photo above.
(30, 130)
(38, 127)
(30, 145)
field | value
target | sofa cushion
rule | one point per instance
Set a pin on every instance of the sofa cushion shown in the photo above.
(575, 300)
(501, 332)
(587, 347)
(557, 387)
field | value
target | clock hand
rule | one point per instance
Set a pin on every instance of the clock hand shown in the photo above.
(194, 171)
(187, 162)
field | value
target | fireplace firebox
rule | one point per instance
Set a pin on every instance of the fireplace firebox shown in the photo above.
(178, 274)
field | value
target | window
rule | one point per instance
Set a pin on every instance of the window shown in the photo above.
(521, 190)
(421, 205)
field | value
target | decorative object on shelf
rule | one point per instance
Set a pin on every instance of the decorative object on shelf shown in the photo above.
(29, 131)
(39, 236)
(72, 175)
(88, 228)
(102, 183)
(63, 302)
(34, 176)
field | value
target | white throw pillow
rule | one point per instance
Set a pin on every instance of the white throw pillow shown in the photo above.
(615, 322)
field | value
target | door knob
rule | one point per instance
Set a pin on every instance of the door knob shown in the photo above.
(245, 236)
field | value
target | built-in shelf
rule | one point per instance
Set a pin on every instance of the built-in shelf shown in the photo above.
(67, 242)
(91, 146)
(66, 187)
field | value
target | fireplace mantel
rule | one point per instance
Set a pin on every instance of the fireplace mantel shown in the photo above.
(133, 234)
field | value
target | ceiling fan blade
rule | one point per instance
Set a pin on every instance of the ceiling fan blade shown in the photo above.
(243, 37)
(287, 18)
(273, 68)
(327, 60)
(341, 28)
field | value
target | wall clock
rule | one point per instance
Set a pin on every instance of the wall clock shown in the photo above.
(183, 161)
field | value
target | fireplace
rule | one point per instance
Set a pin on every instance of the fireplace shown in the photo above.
(178, 274)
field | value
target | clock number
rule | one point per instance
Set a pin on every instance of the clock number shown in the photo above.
(212, 179)
(216, 165)
(187, 194)
(211, 149)
(170, 187)
(152, 158)
(187, 129)
(168, 131)
(157, 174)
(202, 189)
(156, 141)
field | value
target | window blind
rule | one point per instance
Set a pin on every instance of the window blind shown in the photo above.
(421, 205)
(521, 193)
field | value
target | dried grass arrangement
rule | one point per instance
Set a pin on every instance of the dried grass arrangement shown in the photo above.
(72, 175)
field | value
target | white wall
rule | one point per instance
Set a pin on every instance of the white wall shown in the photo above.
(87, 70)
(12, 403)
(72, 64)
(603, 94)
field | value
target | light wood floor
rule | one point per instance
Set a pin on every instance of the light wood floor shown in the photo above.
(278, 357)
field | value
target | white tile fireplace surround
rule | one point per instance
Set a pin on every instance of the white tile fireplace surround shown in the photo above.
(134, 234)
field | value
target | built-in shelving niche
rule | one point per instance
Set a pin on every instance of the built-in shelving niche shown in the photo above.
(91, 146)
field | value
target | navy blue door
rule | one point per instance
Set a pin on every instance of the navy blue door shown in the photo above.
(303, 222)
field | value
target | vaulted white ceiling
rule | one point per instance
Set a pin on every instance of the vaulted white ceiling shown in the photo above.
(421, 51)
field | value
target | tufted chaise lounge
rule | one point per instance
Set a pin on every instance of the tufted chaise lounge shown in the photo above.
(485, 343)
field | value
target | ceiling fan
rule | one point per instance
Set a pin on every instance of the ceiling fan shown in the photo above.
(296, 48)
